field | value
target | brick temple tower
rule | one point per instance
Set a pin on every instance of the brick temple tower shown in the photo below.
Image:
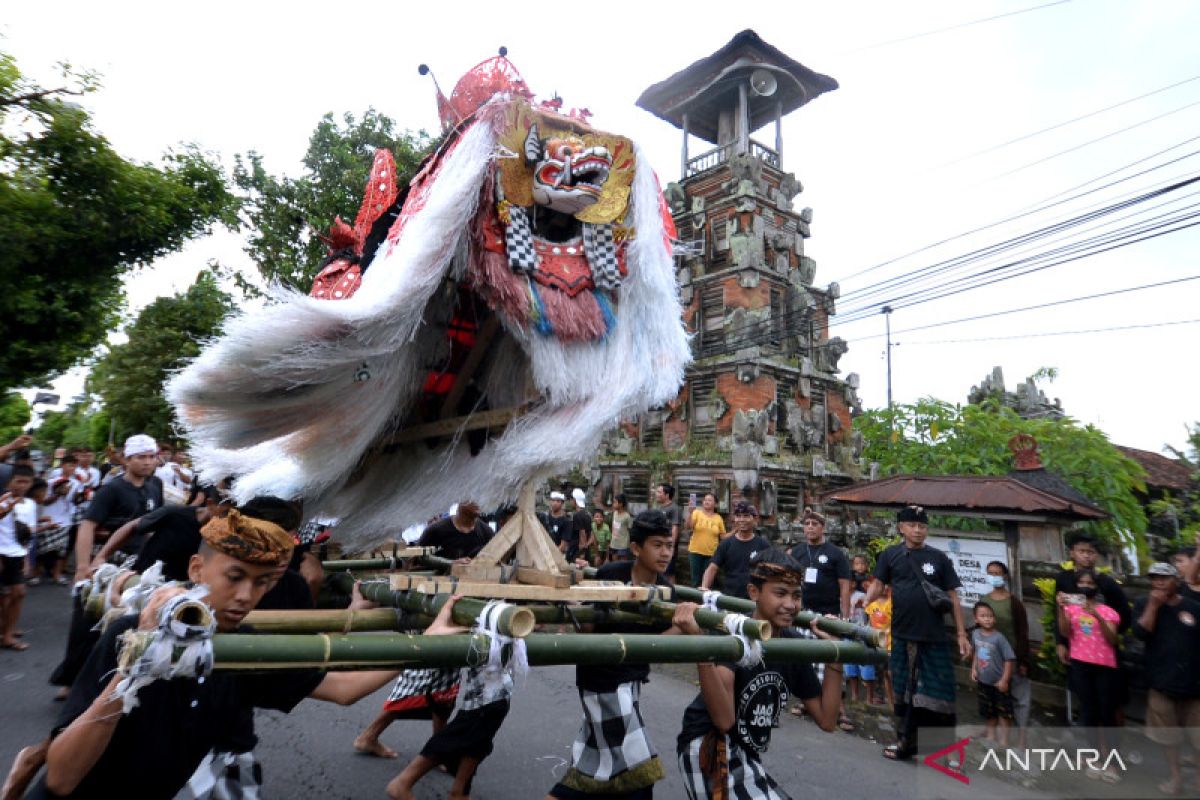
(765, 413)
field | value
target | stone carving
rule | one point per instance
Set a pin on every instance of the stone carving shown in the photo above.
(1028, 401)
(830, 353)
(789, 187)
(676, 198)
(807, 271)
(835, 423)
(802, 431)
(745, 167)
(749, 436)
(858, 443)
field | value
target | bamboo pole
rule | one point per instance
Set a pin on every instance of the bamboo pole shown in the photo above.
(834, 627)
(395, 651)
(333, 620)
(514, 621)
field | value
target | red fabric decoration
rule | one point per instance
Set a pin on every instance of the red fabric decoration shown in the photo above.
(496, 75)
(339, 280)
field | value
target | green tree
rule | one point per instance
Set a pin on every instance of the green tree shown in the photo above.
(933, 437)
(81, 424)
(284, 214)
(129, 377)
(75, 217)
(14, 416)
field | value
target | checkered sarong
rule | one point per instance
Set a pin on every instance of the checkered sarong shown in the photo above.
(518, 241)
(53, 540)
(746, 778)
(419, 688)
(601, 250)
(225, 776)
(612, 751)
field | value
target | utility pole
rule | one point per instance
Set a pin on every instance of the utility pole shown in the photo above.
(887, 319)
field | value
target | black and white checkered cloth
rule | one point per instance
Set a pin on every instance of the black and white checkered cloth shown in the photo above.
(601, 250)
(748, 778)
(518, 241)
(423, 681)
(225, 776)
(53, 540)
(613, 737)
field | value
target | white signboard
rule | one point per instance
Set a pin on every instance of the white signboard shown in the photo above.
(970, 558)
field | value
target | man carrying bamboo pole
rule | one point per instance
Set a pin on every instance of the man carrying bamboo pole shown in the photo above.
(728, 725)
(612, 756)
(99, 751)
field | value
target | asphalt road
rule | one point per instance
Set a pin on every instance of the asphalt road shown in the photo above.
(307, 754)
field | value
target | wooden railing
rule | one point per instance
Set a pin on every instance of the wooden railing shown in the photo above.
(719, 155)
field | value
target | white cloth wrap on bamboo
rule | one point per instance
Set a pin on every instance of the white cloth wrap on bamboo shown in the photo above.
(158, 661)
(710, 600)
(133, 599)
(493, 680)
(751, 648)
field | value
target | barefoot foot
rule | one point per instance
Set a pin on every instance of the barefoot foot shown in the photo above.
(373, 747)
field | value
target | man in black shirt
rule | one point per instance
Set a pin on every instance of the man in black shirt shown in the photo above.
(560, 525)
(1188, 564)
(134, 494)
(170, 534)
(738, 706)
(735, 553)
(664, 500)
(1081, 546)
(460, 536)
(581, 524)
(612, 755)
(1170, 626)
(826, 569)
(922, 665)
(98, 750)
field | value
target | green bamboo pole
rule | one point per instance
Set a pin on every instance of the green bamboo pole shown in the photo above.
(334, 620)
(394, 651)
(830, 625)
(834, 627)
(514, 621)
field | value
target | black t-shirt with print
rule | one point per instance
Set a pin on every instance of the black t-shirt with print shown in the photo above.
(171, 534)
(733, 556)
(119, 501)
(912, 616)
(291, 591)
(453, 543)
(825, 594)
(607, 678)
(157, 746)
(561, 529)
(1173, 648)
(759, 694)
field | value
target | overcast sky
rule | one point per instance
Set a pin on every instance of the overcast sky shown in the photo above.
(916, 147)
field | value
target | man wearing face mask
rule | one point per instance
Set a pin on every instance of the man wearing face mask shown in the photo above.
(1012, 621)
(1084, 555)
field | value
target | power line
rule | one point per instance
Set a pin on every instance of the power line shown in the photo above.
(956, 27)
(1073, 120)
(1127, 166)
(1092, 141)
(1021, 215)
(1059, 333)
(1051, 304)
(897, 282)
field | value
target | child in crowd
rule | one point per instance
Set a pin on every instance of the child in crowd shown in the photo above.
(992, 671)
(860, 572)
(859, 674)
(601, 538)
(879, 617)
(18, 519)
